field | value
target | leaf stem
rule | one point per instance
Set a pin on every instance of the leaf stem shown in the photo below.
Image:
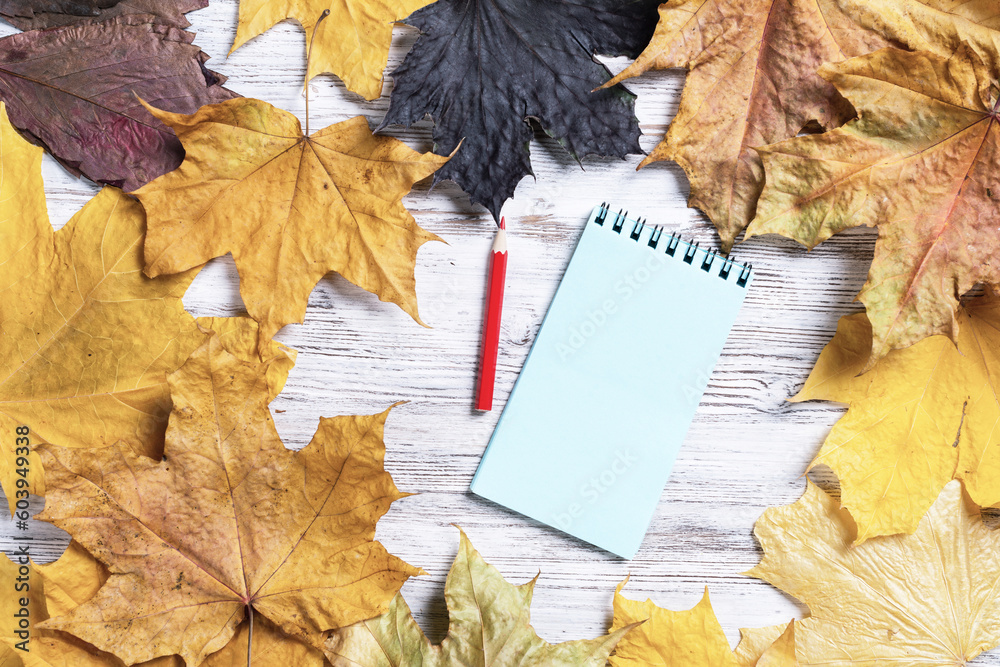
(250, 635)
(309, 54)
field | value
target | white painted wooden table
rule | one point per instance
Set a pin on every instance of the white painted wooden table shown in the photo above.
(746, 449)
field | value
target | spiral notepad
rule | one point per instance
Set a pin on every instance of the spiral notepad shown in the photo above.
(593, 425)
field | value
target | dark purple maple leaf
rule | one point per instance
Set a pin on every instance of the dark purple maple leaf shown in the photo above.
(37, 14)
(482, 68)
(76, 89)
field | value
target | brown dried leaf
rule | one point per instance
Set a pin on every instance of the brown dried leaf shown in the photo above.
(74, 90)
(60, 587)
(229, 518)
(752, 82)
(39, 14)
(921, 164)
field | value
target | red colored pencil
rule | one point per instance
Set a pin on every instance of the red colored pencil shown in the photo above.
(491, 323)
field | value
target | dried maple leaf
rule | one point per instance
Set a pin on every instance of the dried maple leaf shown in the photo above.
(752, 81)
(62, 586)
(921, 417)
(271, 647)
(691, 638)
(87, 339)
(482, 68)
(38, 14)
(239, 335)
(779, 652)
(73, 89)
(920, 163)
(53, 589)
(289, 208)
(353, 41)
(756, 644)
(941, 26)
(490, 626)
(229, 518)
(903, 601)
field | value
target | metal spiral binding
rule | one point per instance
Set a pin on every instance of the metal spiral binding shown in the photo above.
(672, 241)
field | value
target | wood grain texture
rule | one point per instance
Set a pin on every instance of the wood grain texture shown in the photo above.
(746, 449)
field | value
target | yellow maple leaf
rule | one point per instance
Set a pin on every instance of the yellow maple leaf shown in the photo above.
(270, 648)
(691, 638)
(239, 336)
(353, 42)
(87, 338)
(767, 647)
(922, 416)
(62, 586)
(50, 590)
(289, 208)
(929, 598)
(227, 520)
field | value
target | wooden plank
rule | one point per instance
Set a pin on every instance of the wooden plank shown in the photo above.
(746, 449)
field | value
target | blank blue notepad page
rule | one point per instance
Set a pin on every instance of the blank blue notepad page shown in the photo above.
(594, 423)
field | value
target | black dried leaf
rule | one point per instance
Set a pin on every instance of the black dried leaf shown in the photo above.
(483, 68)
